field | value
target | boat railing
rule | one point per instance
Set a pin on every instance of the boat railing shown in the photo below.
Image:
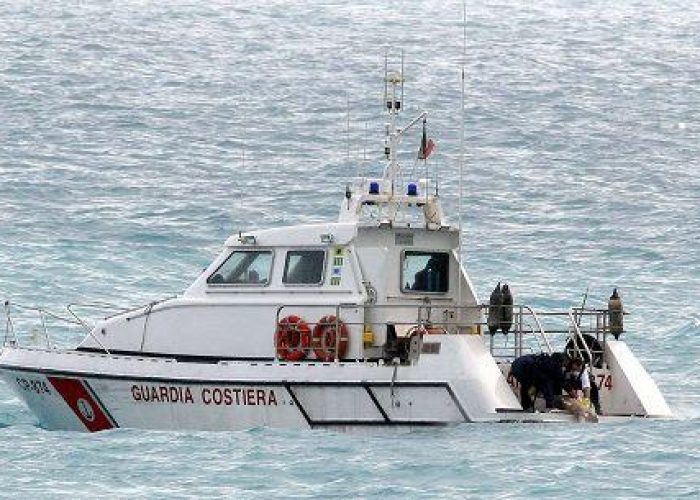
(12, 338)
(585, 332)
(113, 310)
(527, 330)
(107, 308)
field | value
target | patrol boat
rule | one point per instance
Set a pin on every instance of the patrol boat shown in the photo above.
(367, 322)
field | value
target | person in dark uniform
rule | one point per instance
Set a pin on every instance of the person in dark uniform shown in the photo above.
(540, 374)
(523, 370)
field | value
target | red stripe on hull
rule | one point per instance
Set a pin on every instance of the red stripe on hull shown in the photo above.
(76, 395)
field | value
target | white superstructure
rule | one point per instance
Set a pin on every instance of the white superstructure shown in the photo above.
(367, 321)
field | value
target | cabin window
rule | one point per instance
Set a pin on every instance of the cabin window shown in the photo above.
(425, 271)
(244, 268)
(304, 267)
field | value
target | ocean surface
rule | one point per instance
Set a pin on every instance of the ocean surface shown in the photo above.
(135, 136)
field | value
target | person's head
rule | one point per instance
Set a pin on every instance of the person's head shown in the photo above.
(576, 365)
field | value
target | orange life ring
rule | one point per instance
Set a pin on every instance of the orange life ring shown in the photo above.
(293, 338)
(324, 338)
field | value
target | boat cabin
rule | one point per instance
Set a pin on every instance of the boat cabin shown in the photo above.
(390, 260)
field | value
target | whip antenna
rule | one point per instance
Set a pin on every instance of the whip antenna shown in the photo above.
(347, 128)
(461, 154)
(244, 140)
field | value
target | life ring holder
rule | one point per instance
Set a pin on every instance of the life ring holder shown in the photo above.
(324, 338)
(293, 337)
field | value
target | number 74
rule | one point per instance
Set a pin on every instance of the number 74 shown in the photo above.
(604, 381)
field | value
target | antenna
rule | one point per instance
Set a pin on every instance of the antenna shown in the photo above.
(461, 151)
(347, 128)
(364, 144)
(393, 83)
(386, 74)
(402, 81)
(244, 139)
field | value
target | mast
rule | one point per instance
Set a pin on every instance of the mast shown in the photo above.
(393, 94)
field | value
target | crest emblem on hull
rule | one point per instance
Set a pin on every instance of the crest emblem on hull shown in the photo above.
(85, 409)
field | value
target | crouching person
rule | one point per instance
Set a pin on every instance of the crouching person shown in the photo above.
(539, 374)
(583, 401)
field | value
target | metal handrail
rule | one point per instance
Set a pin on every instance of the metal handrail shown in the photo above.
(543, 333)
(44, 311)
(100, 306)
(423, 319)
(9, 327)
(75, 320)
(579, 335)
(420, 307)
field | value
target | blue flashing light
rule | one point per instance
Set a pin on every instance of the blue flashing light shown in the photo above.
(373, 188)
(412, 190)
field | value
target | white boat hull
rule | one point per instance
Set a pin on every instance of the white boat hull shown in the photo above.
(459, 383)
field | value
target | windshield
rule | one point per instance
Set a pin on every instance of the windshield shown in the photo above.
(304, 267)
(244, 268)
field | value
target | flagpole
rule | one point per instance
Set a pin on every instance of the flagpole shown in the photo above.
(424, 147)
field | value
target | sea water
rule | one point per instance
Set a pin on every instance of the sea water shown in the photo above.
(135, 136)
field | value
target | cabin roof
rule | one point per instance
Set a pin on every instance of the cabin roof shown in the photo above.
(300, 235)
